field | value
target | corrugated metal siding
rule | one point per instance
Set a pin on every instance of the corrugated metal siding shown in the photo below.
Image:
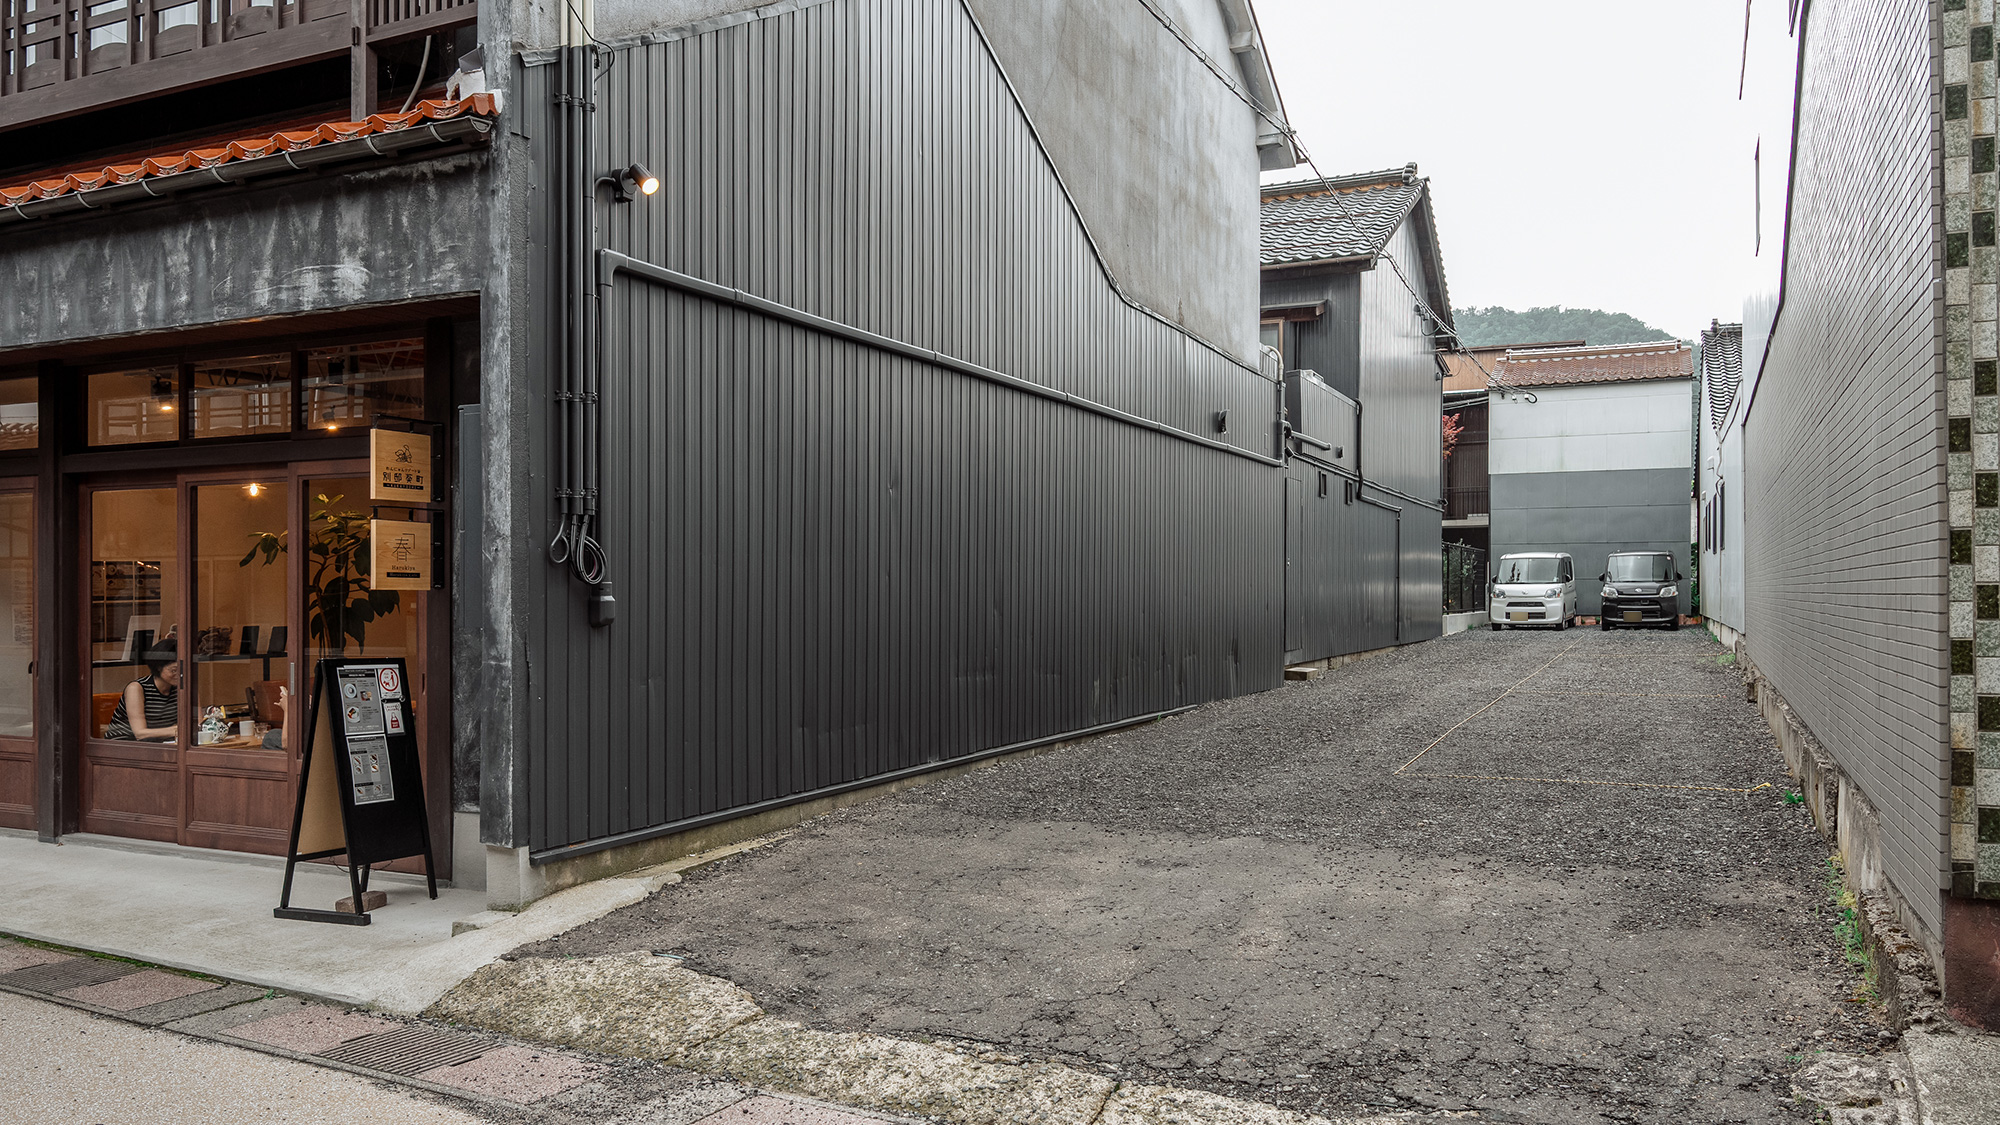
(1400, 390)
(1845, 524)
(1329, 344)
(833, 562)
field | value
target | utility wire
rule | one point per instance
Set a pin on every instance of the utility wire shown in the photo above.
(1285, 129)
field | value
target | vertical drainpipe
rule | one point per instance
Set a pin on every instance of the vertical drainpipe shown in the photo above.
(575, 543)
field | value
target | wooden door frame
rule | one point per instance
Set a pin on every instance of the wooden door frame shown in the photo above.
(432, 619)
(198, 760)
(27, 749)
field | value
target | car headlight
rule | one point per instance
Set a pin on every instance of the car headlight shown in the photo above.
(1608, 592)
(1670, 591)
(1552, 591)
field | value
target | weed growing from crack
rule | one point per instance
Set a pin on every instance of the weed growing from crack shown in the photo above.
(1726, 659)
(1847, 930)
(1794, 797)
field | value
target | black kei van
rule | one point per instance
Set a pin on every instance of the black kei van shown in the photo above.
(1640, 588)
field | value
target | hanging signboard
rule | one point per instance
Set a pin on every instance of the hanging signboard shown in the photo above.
(399, 555)
(399, 467)
(360, 788)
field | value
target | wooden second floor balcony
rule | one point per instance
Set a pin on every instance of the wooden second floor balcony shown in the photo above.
(61, 58)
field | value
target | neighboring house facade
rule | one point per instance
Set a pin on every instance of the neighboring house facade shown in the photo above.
(1354, 303)
(1870, 459)
(1467, 475)
(1719, 480)
(882, 437)
(1591, 453)
(1467, 369)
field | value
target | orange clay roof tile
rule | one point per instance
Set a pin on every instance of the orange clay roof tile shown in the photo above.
(1617, 363)
(249, 148)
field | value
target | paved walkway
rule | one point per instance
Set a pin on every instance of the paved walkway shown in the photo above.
(96, 1039)
(210, 912)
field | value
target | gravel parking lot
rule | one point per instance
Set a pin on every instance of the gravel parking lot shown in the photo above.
(1550, 876)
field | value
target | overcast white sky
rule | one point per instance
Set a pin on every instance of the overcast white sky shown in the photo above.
(1581, 152)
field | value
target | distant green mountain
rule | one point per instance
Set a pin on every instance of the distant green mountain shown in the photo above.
(1496, 325)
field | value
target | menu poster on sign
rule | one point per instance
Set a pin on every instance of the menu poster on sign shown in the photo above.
(361, 784)
(399, 467)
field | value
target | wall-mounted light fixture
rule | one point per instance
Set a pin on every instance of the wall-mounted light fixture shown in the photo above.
(628, 179)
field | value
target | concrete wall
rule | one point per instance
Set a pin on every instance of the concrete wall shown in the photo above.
(401, 233)
(1846, 523)
(1590, 470)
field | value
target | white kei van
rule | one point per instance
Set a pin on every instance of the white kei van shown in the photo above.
(1532, 588)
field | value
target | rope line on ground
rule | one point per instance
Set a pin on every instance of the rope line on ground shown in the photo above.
(1643, 694)
(1482, 710)
(1587, 781)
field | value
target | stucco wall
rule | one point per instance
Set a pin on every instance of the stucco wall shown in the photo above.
(401, 233)
(1160, 156)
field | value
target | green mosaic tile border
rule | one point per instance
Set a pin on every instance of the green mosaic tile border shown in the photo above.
(1972, 397)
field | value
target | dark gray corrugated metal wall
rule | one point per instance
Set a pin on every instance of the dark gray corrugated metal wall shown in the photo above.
(834, 562)
(1330, 343)
(1360, 576)
(1400, 390)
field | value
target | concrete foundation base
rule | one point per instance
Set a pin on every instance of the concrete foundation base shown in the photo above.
(1910, 959)
(513, 879)
(1460, 622)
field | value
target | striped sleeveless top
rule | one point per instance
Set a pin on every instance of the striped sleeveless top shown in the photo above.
(162, 710)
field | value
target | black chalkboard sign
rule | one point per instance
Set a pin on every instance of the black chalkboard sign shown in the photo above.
(360, 788)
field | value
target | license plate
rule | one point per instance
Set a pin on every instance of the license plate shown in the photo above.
(1517, 617)
(1631, 615)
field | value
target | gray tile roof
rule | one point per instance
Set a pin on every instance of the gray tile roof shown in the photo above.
(1721, 368)
(1347, 217)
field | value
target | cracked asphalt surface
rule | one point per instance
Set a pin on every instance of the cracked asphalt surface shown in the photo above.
(1573, 903)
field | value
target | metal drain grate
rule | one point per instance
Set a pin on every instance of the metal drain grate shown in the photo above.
(409, 1051)
(73, 973)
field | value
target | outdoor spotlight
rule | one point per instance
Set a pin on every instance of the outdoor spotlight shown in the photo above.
(634, 176)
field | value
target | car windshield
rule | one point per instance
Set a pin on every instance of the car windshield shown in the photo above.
(1512, 570)
(1640, 568)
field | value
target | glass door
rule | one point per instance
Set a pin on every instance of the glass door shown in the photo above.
(132, 713)
(211, 598)
(238, 773)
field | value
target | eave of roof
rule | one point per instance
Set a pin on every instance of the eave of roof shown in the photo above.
(381, 135)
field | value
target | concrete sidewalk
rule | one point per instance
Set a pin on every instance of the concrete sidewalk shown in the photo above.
(210, 912)
(1957, 1077)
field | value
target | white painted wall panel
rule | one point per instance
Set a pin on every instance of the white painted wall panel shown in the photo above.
(1595, 427)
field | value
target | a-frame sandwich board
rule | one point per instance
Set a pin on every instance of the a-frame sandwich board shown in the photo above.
(360, 786)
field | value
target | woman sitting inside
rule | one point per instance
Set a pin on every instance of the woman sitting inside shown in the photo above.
(154, 698)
